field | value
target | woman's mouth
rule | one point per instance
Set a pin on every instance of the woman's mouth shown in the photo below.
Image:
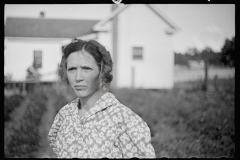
(80, 87)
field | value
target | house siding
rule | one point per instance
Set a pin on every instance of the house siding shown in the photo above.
(19, 56)
(139, 26)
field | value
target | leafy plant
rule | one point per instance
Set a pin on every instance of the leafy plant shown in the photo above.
(185, 122)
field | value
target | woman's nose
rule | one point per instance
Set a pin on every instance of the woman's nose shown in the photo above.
(79, 76)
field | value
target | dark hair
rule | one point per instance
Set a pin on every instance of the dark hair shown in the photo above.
(99, 53)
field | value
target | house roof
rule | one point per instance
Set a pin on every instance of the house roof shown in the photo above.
(67, 28)
(47, 28)
(120, 9)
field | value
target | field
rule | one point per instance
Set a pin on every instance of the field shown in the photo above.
(184, 122)
(196, 72)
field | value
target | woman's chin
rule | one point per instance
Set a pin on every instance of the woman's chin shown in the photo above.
(81, 93)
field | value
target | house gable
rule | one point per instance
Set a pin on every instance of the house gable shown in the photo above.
(140, 27)
(172, 26)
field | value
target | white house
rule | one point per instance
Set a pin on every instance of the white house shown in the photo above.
(39, 39)
(138, 36)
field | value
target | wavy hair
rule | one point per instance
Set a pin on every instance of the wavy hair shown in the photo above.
(99, 53)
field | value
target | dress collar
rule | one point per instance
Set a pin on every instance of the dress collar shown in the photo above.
(106, 100)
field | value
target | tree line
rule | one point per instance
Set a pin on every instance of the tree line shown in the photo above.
(226, 57)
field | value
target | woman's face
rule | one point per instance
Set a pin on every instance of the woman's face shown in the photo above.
(82, 73)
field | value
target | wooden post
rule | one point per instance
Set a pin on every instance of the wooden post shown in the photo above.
(115, 46)
(133, 77)
(205, 84)
(24, 92)
(215, 82)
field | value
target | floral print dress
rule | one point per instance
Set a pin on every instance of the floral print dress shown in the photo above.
(108, 130)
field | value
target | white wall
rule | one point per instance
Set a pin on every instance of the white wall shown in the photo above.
(105, 38)
(140, 26)
(19, 56)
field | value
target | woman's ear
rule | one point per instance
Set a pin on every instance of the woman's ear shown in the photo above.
(102, 85)
(105, 89)
(100, 80)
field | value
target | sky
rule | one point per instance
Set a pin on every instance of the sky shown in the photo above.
(201, 25)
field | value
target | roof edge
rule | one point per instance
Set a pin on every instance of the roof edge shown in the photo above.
(97, 27)
(164, 17)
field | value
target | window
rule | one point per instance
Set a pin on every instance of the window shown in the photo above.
(37, 61)
(137, 53)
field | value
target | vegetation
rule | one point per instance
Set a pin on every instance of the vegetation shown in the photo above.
(224, 58)
(187, 122)
(228, 52)
(23, 135)
(184, 122)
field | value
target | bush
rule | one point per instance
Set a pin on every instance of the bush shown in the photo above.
(10, 104)
(184, 123)
(189, 123)
(22, 135)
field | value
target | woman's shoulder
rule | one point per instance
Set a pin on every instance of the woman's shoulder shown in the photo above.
(128, 118)
(122, 108)
(125, 111)
(69, 107)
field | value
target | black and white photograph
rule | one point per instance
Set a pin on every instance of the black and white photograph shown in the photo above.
(119, 80)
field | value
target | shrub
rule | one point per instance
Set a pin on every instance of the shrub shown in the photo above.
(189, 123)
(11, 103)
(184, 123)
(22, 137)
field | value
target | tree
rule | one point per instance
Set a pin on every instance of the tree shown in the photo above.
(8, 78)
(193, 54)
(184, 58)
(228, 53)
(213, 58)
(181, 59)
(32, 74)
(206, 55)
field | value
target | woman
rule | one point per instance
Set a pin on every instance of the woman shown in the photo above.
(95, 124)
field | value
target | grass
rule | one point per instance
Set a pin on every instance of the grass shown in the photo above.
(184, 122)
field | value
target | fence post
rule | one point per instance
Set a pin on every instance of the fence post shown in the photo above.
(205, 83)
(133, 77)
(24, 92)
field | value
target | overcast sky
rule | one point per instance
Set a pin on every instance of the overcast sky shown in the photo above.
(201, 25)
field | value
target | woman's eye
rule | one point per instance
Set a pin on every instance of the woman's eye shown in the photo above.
(71, 69)
(86, 68)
